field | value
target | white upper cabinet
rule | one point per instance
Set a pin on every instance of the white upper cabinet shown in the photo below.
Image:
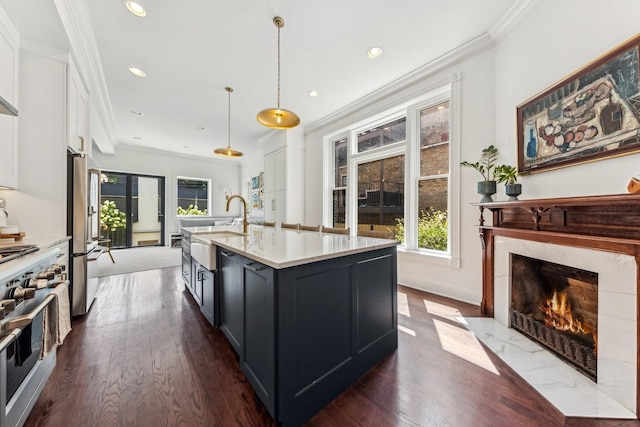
(78, 138)
(284, 176)
(9, 48)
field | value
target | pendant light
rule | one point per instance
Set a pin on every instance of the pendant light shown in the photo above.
(228, 151)
(277, 118)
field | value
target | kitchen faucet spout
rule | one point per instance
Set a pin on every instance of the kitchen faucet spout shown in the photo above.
(245, 223)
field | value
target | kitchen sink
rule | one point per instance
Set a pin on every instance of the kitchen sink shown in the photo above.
(203, 251)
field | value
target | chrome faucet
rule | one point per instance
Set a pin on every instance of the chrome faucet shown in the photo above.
(245, 223)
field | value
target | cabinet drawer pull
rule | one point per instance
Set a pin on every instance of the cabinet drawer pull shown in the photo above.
(252, 268)
(227, 254)
(200, 276)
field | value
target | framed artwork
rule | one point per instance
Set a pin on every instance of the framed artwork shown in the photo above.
(255, 182)
(591, 115)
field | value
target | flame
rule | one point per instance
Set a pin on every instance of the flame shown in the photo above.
(559, 315)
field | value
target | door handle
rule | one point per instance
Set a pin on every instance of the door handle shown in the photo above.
(252, 268)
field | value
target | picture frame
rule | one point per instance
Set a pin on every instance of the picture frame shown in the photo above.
(591, 115)
(255, 182)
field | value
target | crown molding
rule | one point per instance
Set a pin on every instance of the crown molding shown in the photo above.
(449, 59)
(516, 11)
(76, 21)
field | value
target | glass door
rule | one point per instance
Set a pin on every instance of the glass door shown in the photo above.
(132, 209)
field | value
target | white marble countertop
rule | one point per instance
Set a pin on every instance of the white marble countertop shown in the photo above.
(283, 247)
(46, 244)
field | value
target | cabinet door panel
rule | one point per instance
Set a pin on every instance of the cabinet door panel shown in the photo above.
(258, 351)
(208, 295)
(231, 298)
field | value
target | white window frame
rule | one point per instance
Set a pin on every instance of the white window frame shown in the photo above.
(209, 183)
(448, 89)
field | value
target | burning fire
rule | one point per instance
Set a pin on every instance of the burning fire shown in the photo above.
(559, 315)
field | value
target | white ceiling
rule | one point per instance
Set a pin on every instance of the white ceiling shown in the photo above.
(192, 50)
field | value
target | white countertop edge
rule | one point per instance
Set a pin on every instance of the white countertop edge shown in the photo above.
(208, 235)
(304, 260)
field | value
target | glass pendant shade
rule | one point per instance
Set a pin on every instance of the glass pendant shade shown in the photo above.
(278, 118)
(228, 151)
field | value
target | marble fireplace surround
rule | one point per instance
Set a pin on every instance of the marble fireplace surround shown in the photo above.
(599, 234)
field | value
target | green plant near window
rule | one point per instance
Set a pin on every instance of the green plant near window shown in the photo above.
(506, 173)
(111, 216)
(191, 210)
(486, 165)
(432, 230)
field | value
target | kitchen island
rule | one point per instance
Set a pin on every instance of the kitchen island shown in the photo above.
(308, 313)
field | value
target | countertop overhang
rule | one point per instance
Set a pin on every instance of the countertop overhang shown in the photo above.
(282, 248)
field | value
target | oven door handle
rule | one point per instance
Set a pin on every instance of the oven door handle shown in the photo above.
(8, 338)
(20, 321)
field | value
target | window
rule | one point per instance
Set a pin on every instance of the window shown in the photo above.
(433, 178)
(339, 182)
(381, 193)
(194, 195)
(381, 135)
(399, 163)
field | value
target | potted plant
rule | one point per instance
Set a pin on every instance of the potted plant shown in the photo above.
(509, 175)
(486, 167)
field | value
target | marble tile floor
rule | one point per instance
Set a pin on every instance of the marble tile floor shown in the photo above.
(567, 389)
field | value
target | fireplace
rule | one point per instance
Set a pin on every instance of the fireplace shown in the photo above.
(557, 306)
(592, 243)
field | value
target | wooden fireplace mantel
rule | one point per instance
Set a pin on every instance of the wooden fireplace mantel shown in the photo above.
(608, 223)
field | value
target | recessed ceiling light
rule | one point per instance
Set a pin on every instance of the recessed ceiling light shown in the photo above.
(186, 146)
(137, 137)
(374, 52)
(137, 113)
(136, 8)
(137, 72)
(313, 93)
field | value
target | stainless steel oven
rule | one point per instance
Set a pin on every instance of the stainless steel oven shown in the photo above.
(25, 291)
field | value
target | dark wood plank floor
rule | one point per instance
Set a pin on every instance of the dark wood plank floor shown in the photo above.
(144, 356)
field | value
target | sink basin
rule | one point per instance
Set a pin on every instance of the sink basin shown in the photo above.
(204, 251)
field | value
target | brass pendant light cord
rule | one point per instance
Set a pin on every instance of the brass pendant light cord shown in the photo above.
(229, 90)
(279, 26)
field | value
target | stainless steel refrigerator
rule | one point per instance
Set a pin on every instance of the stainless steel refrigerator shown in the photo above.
(83, 225)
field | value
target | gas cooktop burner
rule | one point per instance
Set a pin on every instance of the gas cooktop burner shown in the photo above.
(8, 253)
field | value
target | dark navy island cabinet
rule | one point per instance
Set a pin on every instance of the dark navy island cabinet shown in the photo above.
(304, 334)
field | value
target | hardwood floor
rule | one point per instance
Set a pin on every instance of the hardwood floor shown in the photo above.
(145, 356)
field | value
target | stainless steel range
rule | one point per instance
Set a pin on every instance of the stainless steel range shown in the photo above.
(25, 291)
(8, 253)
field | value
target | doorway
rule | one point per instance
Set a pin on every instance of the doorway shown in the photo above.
(132, 209)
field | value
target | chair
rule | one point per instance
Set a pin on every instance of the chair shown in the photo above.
(286, 225)
(309, 227)
(380, 234)
(335, 230)
(269, 224)
(106, 243)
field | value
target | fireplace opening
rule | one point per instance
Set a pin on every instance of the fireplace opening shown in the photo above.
(557, 306)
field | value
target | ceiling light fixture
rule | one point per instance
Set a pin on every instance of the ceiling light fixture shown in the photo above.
(136, 9)
(374, 52)
(137, 72)
(277, 118)
(228, 151)
(313, 94)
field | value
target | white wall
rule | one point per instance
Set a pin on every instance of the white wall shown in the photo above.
(533, 56)
(477, 130)
(223, 174)
(38, 206)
